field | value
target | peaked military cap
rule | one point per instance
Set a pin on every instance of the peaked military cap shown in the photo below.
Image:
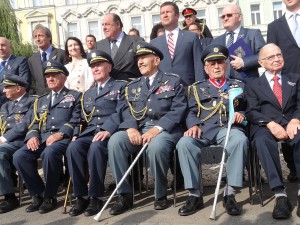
(214, 52)
(51, 66)
(13, 80)
(189, 11)
(99, 56)
(143, 48)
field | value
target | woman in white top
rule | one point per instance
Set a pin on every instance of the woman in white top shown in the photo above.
(80, 75)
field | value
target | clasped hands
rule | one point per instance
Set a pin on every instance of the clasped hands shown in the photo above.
(136, 138)
(282, 134)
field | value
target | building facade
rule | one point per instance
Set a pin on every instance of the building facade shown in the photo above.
(81, 17)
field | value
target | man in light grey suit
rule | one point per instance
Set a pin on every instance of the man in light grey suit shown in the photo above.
(245, 67)
(46, 51)
(120, 47)
(186, 56)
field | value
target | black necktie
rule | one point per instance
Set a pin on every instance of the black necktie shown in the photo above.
(44, 57)
(15, 102)
(114, 48)
(148, 82)
(100, 89)
(55, 98)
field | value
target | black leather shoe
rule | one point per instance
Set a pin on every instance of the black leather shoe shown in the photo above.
(80, 206)
(48, 205)
(123, 204)
(161, 203)
(292, 177)
(298, 208)
(230, 205)
(35, 204)
(9, 204)
(94, 207)
(282, 208)
(191, 206)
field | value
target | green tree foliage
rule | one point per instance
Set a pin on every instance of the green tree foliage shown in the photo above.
(9, 30)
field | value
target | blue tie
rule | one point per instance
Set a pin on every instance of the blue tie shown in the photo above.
(230, 39)
(2, 66)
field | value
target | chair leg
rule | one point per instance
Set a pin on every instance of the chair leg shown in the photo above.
(250, 175)
(21, 189)
(174, 155)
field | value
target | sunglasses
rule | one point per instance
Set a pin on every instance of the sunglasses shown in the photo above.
(229, 15)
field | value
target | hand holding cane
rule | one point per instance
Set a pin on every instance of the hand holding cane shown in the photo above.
(213, 212)
(98, 216)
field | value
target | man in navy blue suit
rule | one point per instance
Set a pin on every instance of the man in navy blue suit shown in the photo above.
(12, 64)
(273, 110)
(240, 67)
(185, 59)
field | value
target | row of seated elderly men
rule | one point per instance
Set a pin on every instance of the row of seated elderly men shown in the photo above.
(121, 117)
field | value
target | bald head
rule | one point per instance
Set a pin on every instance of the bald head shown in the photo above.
(5, 48)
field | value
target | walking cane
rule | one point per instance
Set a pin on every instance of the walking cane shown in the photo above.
(98, 216)
(213, 212)
(66, 197)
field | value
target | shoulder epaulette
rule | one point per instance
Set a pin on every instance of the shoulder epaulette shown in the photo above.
(133, 81)
(171, 74)
(198, 82)
(124, 81)
(43, 95)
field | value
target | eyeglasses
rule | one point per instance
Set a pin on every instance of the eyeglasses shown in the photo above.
(272, 57)
(229, 15)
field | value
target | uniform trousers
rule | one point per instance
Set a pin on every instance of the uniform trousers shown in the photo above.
(80, 152)
(158, 152)
(6, 152)
(189, 154)
(25, 161)
(266, 147)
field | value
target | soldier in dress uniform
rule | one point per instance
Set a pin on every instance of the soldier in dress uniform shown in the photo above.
(52, 125)
(14, 122)
(101, 106)
(207, 121)
(154, 110)
(190, 17)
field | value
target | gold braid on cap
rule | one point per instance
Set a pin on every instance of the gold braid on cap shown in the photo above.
(87, 117)
(2, 126)
(42, 119)
(219, 107)
(133, 112)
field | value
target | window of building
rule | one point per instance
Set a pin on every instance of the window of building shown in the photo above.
(70, 2)
(255, 14)
(136, 22)
(94, 29)
(277, 10)
(155, 19)
(72, 30)
(200, 14)
(220, 24)
(37, 3)
(14, 4)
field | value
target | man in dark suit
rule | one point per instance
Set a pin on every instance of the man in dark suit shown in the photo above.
(207, 124)
(281, 32)
(153, 113)
(241, 67)
(120, 47)
(54, 117)
(15, 118)
(273, 109)
(101, 106)
(12, 64)
(46, 51)
(182, 49)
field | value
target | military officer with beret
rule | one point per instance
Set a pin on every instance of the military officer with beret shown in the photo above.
(154, 110)
(190, 17)
(14, 122)
(101, 106)
(207, 121)
(52, 125)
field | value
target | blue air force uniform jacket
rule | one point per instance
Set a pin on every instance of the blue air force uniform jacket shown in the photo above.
(210, 97)
(63, 116)
(163, 104)
(103, 111)
(15, 119)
